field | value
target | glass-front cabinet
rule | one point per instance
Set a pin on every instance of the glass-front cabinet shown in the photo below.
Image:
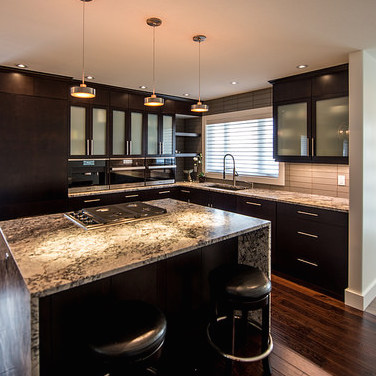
(88, 131)
(127, 133)
(311, 117)
(160, 135)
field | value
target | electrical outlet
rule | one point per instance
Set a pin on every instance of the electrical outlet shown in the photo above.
(341, 180)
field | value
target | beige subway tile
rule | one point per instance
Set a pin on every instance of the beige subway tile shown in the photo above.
(343, 195)
(325, 180)
(301, 177)
(324, 174)
(326, 187)
(323, 192)
(301, 173)
(343, 189)
(324, 167)
(342, 169)
(300, 167)
(298, 184)
(301, 190)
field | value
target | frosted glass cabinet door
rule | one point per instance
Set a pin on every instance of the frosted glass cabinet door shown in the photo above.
(77, 130)
(118, 133)
(292, 130)
(136, 133)
(153, 134)
(167, 140)
(99, 131)
(332, 127)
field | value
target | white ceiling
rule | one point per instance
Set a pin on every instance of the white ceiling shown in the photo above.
(249, 41)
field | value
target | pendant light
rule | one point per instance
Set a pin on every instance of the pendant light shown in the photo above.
(153, 100)
(83, 91)
(199, 107)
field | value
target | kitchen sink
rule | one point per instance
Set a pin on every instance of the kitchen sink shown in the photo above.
(227, 187)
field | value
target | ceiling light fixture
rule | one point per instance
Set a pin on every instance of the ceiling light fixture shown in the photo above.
(83, 91)
(153, 100)
(234, 82)
(199, 107)
(21, 65)
(89, 77)
(302, 66)
(143, 87)
(186, 95)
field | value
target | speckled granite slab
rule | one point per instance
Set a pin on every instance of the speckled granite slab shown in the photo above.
(54, 254)
(325, 202)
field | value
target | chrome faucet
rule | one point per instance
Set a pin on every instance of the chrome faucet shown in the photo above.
(234, 173)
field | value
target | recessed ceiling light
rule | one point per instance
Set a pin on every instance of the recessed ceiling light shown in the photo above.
(90, 77)
(186, 95)
(234, 82)
(143, 87)
(21, 65)
(302, 66)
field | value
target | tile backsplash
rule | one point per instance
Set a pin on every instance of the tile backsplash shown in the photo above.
(319, 179)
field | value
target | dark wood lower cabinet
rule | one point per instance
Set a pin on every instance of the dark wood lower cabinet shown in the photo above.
(312, 246)
(178, 285)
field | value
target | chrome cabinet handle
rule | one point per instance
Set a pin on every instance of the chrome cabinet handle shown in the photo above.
(185, 191)
(93, 200)
(307, 213)
(127, 147)
(253, 203)
(92, 147)
(162, 148)
(130, 196)
(127, 168)
(88, 147)
(130, 147)
(308, 262)
(313, 145)
(306, 234)
(163, 192)
(161, 167)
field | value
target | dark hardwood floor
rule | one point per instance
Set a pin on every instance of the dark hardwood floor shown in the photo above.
(314, 335)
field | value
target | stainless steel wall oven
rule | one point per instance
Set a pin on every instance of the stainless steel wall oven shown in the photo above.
(127, 172)
(160, 170)
(87, 175)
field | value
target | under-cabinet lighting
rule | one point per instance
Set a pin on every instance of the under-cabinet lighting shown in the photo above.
(302, 66)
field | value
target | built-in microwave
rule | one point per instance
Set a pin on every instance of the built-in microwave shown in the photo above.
(127, 172)
(87, 175)
(160, 170)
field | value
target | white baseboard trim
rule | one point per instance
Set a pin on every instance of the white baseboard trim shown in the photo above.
(360, 301)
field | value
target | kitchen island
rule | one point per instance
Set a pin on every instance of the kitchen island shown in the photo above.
(47, 259)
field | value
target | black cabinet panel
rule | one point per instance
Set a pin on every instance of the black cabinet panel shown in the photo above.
(16, 83)
(291, 90)
(50, 88)
(34, 140)
(119, 99)
(336, 83)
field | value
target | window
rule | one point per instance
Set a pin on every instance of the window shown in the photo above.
(248, 136)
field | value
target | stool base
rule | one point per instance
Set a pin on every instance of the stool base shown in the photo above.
(233, 357)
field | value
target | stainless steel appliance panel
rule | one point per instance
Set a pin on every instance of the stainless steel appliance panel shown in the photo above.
(87, 175)
(127, 172)
(160, 170)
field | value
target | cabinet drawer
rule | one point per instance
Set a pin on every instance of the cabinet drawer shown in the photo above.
(160, 193)
(256, 207)
(195, 196)
(76, 203)
(300, 212)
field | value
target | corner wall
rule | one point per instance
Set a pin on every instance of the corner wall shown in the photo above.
(362, 234)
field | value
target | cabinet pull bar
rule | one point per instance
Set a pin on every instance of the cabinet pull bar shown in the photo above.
(253, 203)
(163, 192)
(130, 196)
(127, 144)
(308, 262)
(313, 146)
(306, 234)
(93, 200)
(307, 213)
(185, 191)
(92, 147)
(130, 147)
(88, 147)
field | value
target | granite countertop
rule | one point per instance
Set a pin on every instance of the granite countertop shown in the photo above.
(54, 254)
(317, 201)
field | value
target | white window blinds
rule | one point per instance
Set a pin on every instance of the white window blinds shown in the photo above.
(250, 142)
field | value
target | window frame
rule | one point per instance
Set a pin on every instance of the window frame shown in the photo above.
(252, 114)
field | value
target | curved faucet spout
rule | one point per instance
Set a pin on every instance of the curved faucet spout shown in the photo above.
(234, 173)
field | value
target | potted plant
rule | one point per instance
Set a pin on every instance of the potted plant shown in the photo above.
(201, 177)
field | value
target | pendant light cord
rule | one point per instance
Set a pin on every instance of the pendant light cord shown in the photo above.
(153, 60)
(83, 42)
(199, 70)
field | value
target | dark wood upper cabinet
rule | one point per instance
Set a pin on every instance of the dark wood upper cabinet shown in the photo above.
(50, 88)
(311, 117)
(16, 83)
(119, 99)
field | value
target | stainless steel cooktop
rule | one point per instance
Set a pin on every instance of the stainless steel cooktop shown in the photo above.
(108, 215)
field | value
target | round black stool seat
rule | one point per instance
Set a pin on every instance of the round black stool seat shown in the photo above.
(238, 281)
(127, 332)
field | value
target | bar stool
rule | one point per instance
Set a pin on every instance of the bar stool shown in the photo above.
(127, 335)
(239, 288)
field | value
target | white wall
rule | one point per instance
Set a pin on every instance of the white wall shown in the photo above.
(362, 240)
